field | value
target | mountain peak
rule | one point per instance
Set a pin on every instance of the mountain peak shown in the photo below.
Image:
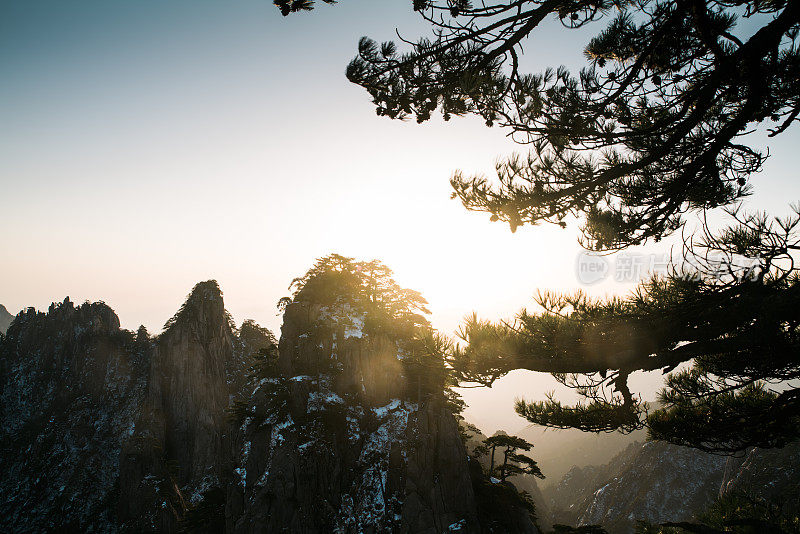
(5, 319)
(204, 302)
(207, 290)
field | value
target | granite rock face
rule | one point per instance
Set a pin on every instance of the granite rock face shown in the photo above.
(658, 482)
(178, 448)
(654, 482)
(770, 474)
(106, 430)
(71, 384)
(437, 490)
(344, 451)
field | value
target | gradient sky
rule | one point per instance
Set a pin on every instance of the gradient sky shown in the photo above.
(149, 145)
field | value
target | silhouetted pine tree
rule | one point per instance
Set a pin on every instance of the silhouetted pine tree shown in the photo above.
(513, 463)
(649, 130)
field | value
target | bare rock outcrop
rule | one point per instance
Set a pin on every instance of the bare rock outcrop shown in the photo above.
(769, 474)
(658, 482)
(106, 430)
(341, 447)
(654, 482)
(178, 448)
(71, 383)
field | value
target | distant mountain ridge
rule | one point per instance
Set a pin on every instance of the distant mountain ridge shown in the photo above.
(5, 319)
(557, 451)
(658, 482)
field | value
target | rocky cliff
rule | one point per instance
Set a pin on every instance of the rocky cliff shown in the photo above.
(71, 384)
(209, 428)
(178, 447)
(771, 474)
(332, 443)
(106, 430)
(657, 482)
(654, 482)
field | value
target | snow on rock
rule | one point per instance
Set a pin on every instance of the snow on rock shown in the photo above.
(242, 472)
(655, 482)
(383, 411)
(320, 400)
(356, 328)
(277, 436)
(372, 502)
(458, 526)
(342, 451)
(70, 393)
(345, 316)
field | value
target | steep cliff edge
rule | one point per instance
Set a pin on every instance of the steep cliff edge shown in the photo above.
(350, 426)
(332, 441)
(178, 448)
(71, 383)
(658, 482)
(346, 425)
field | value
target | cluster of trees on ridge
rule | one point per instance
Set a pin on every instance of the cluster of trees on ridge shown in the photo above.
(364, 291)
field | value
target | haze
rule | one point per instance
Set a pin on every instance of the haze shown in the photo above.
(147, 146)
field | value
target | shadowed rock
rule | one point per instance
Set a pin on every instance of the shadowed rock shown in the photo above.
(71, 386)
(348, 453)
(178, 447)
(107, 430)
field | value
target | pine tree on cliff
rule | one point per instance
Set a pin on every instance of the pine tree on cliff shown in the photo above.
(513, 462)
(425, 367)
(652, 130)
(368, 286)
(738, 331)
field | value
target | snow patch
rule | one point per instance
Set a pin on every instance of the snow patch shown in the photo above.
(383, 411)
(458, 526)
(242, 472)
(344, 315)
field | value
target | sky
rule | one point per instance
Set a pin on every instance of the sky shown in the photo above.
(146, 146)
